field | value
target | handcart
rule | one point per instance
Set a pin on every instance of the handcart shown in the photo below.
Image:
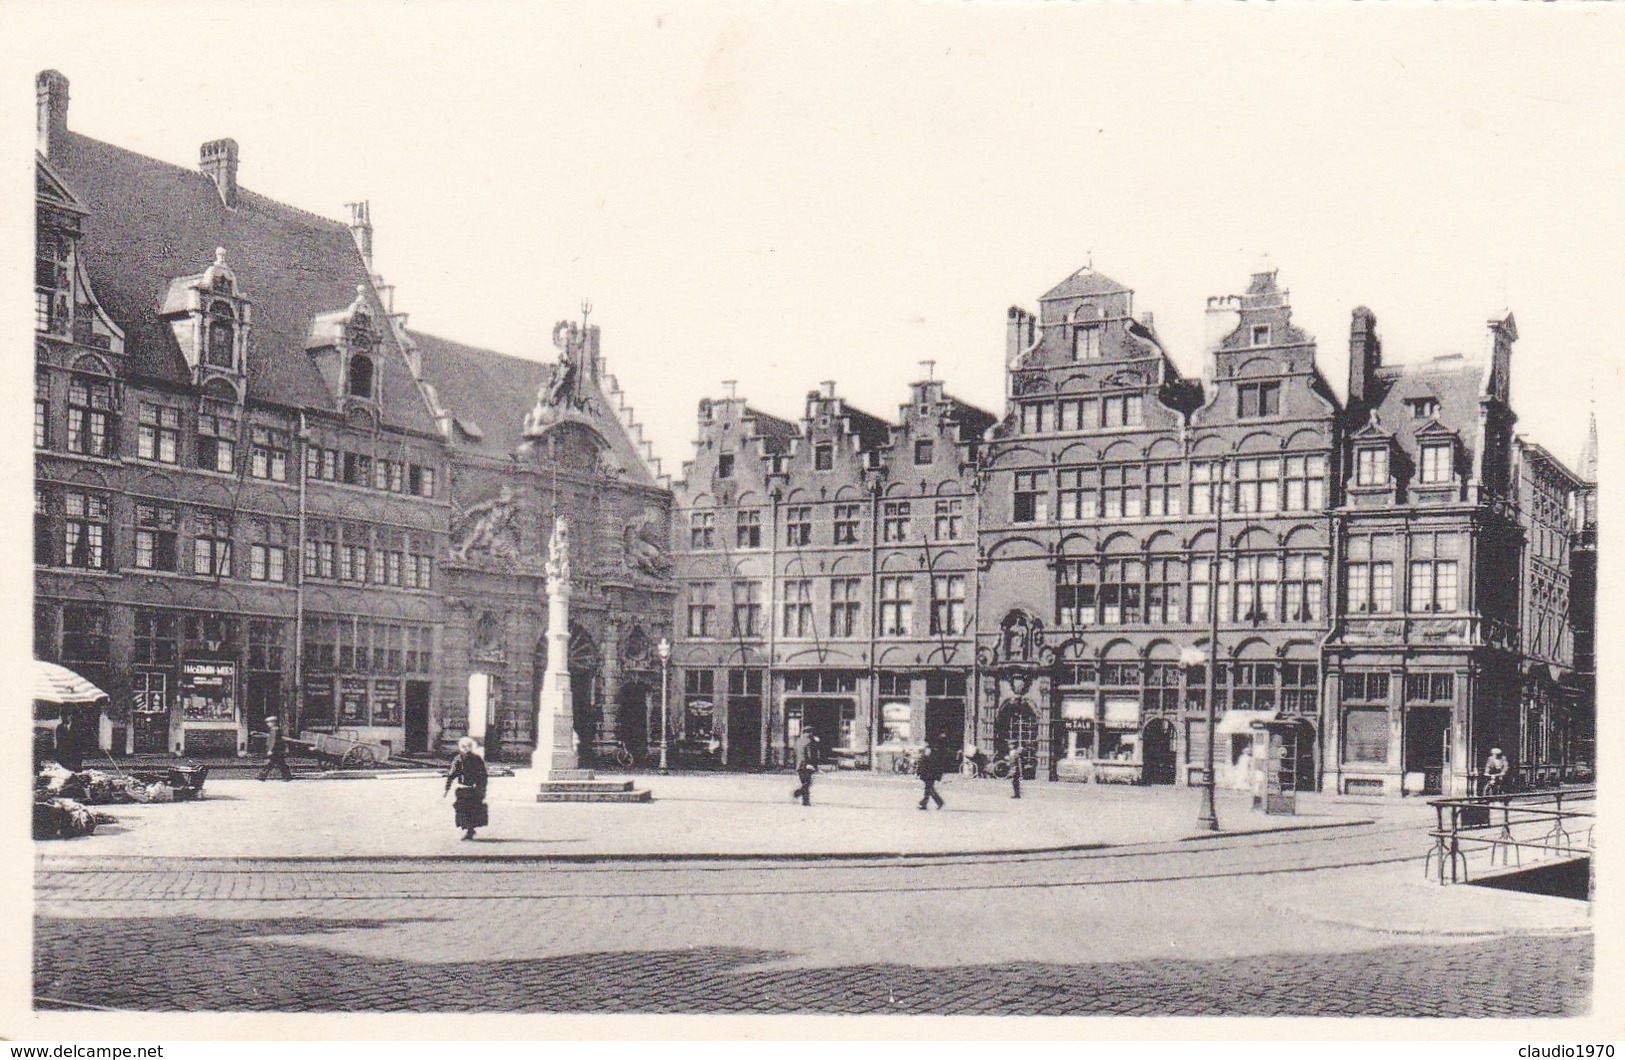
(344, 749)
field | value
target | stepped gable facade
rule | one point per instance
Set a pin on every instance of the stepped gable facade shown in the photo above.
(1099, 510)
(828, 578)
(256, 491)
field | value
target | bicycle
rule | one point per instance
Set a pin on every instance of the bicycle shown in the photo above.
(977, 767)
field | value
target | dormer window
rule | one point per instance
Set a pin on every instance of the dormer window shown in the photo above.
(221, 348)
(1423, 408)
(1436, 463)
(360, 376)
(1261, 334)
(1371, 466)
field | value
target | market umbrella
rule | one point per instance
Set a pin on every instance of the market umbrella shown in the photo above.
(57, 684)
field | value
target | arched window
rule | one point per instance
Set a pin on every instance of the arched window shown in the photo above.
(222, 333)
(361, 376)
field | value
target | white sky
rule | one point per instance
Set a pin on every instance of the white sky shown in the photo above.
(783, 194)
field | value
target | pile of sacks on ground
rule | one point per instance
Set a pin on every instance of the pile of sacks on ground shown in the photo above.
(59, 805)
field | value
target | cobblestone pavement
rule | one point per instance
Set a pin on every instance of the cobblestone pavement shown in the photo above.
(1331, 923)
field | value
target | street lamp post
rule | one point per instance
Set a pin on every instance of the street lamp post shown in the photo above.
(1207, 814)
(665, 665)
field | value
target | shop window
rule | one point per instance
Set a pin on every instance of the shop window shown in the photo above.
(264, 644)
(1253, 685)
(1365, 736)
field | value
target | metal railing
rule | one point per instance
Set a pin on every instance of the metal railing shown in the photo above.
(1509, 825)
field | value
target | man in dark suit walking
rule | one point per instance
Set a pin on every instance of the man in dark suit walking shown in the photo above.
(806, 752)
(1018, 760)
(930, 770)
(276, 750)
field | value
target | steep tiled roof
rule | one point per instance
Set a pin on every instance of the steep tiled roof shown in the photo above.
(151, 222)
(497, 390)
(1085, 282)
(973, 421)
(873, 431)
(776, 432)
(1454, 382)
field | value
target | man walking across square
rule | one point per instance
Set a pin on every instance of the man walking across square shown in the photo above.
(276, 751)
(930, 770)
(1017, 759)
(806, 752)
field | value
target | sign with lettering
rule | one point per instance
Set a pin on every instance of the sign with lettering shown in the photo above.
(209, 691)
(318, 699)
(353, 700)
(386, 701)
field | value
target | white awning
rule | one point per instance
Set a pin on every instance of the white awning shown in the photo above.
(1240, 722)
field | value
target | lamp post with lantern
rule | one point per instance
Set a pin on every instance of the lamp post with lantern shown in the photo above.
(664, 649)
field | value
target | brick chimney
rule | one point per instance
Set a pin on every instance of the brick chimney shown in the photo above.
(1018, 334)
(361, 229)
(51, 117)
(218, 158)
(1365, 357)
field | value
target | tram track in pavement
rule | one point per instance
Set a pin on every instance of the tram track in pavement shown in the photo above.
(471, 880)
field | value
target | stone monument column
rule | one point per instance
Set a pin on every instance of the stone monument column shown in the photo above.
(556, 703)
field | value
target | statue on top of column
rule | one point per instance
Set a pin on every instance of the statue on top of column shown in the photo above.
(558, 552)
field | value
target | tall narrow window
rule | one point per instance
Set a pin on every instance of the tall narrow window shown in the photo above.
(42, 410)
(702, 609)
(1031, 500)
(221, 351)
(845, 605)
(217, 437)
(846, 524)
(798, 525)
(1077, 493)
(798, 608)
(923, 451)
(1164, 591)
(702, 530)
(1370, 575)
(947, 604)
(155, 537)
(748, 528)
(1076, 592)
(1305, 483)
(90, 416)
(361, 376)
(1162, 489)
(1086, 342)
(895, 518)
(896, 606)
(747, 608)
(86, 530)
(949, 519)
(158, 436)
(1436, 463)
(823, 456)
(211, 545)
(1371, 468)
(1254, 400)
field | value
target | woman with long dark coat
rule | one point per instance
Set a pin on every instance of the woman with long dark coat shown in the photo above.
(468, 773)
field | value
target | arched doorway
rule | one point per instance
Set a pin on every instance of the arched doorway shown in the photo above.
(1018, 724)
(1159, 764)
(634, 714)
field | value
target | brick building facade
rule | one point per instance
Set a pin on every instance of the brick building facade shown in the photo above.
(256, 493)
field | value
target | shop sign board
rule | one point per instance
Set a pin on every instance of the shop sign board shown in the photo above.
(209, 691)
(353, 700)
(386, 701)
(318, 699)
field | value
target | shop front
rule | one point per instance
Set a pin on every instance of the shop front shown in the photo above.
(825, 703)
(211, 725)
